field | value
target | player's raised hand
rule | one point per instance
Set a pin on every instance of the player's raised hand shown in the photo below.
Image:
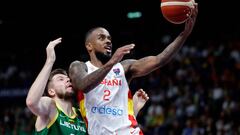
(140, 98)
(192, 19)
(120, 52)
(51, 57)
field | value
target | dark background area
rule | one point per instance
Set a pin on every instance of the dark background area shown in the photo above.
(26, 27)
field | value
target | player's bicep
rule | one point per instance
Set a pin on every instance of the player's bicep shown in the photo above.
(126, 66)
(142, 66)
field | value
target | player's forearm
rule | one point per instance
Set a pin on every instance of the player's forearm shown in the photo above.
(150, 63)
(90, 81)
(171, 50)
(37, 89)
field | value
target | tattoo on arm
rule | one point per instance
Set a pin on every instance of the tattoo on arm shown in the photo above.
(83, 81)
(126, 66)
(143, 66)
(171, 50)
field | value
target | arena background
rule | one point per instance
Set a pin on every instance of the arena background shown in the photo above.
(198, 91)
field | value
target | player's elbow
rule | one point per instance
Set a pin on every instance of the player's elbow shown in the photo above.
(29, 102)
(140, 73)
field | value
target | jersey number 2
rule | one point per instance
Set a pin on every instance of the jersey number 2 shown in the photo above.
(106, 95)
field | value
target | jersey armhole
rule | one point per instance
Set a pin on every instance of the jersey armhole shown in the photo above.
(53, 120)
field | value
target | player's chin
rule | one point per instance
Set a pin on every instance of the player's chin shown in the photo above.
(108, 54)
(70, 89)
(70, 93)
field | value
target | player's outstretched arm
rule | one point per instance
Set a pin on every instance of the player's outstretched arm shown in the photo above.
(143, 66)
(39, 105)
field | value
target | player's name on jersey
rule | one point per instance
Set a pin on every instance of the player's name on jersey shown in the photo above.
(113, 82)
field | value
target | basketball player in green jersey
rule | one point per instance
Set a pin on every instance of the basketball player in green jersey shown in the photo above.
(55, 112)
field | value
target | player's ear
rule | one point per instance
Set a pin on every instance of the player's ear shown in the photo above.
(89, 46)
(51, 92)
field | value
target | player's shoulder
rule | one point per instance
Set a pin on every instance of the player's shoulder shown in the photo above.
(48, 101)
(127, 62)
(48, 106)
(77, 62)
(46, 98)
(78, 65)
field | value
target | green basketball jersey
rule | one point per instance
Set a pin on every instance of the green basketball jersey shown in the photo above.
(65, 125)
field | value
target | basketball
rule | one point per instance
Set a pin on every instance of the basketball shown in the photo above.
(177, 11)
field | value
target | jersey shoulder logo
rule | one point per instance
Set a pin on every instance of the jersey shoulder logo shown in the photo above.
(116, 71)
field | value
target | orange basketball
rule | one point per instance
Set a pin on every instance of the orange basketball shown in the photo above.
(177, 11)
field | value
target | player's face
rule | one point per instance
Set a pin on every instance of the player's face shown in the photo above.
(63, 86)
(102, 43)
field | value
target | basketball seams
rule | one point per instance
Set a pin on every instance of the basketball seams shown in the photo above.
(174, 3)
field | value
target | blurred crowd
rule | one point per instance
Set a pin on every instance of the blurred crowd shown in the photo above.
(197, 93)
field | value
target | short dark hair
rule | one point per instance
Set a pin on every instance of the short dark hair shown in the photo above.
(89, 32)
(53, 73)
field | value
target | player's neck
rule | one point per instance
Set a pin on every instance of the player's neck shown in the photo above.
(96, 62)
(66, 106)
(99, 59)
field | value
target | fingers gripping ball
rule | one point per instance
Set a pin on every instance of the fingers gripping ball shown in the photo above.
(177, 11)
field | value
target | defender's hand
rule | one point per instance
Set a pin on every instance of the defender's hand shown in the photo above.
(51, 57)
